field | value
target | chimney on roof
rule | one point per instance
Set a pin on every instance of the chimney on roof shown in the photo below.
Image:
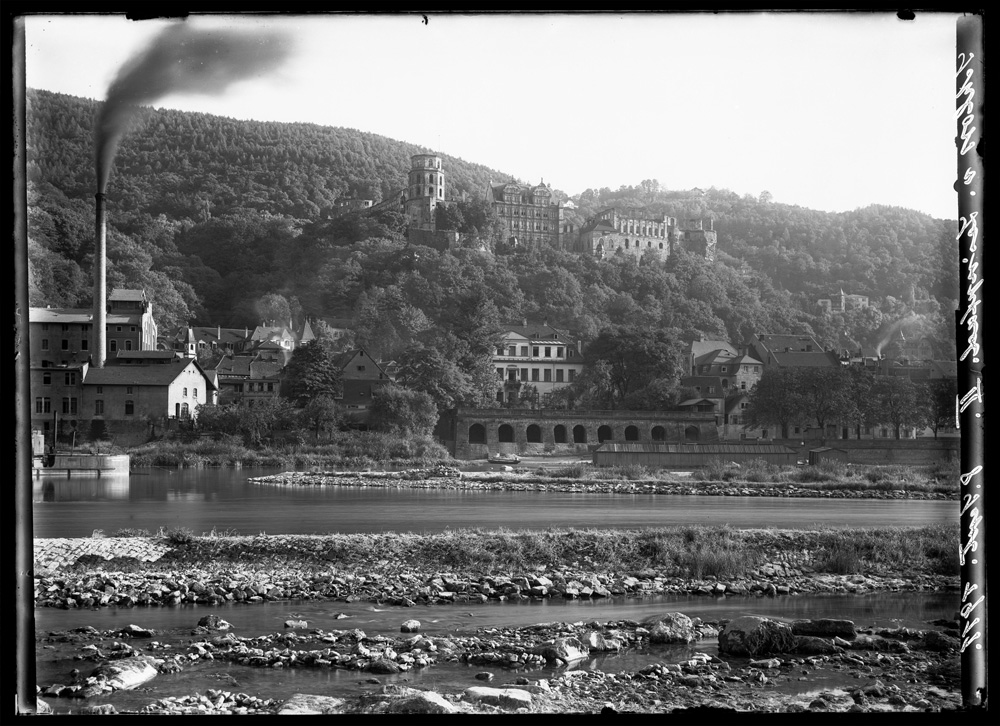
(218, 332)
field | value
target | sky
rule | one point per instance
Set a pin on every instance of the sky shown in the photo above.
(831, 111)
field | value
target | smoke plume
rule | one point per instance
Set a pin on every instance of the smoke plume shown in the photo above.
(895, 328)
(181, 60)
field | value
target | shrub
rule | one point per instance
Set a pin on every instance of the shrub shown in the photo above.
(180, 536)
(842, 558)
(130, 532)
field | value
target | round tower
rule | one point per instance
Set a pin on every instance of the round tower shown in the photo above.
(425, 190)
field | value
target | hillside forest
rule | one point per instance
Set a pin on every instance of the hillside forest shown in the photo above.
(212, 215)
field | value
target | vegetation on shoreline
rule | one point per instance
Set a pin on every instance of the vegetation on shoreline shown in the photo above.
(348, 449)
(686, 552)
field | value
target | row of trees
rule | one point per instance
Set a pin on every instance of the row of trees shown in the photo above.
(856, 397)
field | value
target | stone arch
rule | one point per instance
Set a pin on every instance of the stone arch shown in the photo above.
(505, 434)
(559, 434)
(579, 434)
(691, 433)
(534, 434)
(631, 433)
(477, 434)
(658, 434)
(604, 433)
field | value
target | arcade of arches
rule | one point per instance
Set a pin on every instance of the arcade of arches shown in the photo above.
(478, 433)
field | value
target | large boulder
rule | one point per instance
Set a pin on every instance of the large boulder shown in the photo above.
(410, 626)
(671, 628)
(825, 628)
(308, 704)
(119, 675)
(566, 649)
(421, 702)
(508, 699)
(213, 622)
(753, 636)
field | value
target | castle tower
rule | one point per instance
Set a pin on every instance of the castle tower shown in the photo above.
(425, 190)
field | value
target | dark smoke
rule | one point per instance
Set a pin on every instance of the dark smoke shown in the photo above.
(181, 59)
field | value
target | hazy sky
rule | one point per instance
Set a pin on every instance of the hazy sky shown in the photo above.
(828, 111)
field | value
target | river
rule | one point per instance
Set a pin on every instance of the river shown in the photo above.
(224, 500)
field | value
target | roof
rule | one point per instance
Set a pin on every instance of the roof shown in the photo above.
(825, 448)
(540, 332)
(156, 375)
(781, 341)
(146, 355)
(265, 369)
(702, 347)
(720, 449)
(78, 316)
(126, 294)
(238, 365)
(697, 401)
(220, 335)
(597, 224)
(802, 359)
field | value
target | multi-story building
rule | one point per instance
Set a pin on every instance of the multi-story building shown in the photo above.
(842, 302)
(425, 190)
(62, 336)
(535, 355)
(791, 351)
(529, 213)
(636, 232)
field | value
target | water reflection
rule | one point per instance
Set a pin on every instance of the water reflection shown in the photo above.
(79, 489)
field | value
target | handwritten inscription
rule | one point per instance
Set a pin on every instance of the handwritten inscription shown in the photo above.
(975, 395)
(971, 317)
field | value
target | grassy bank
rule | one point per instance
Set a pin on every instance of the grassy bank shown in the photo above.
(348, 449)
(828, 476)
(686, 552)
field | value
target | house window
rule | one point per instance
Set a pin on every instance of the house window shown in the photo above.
(100, 389)
(524, 351)
(45, 326)
(65, 327)
(185, 393)
(711, 389)
(559, 375)
(128, 390)
(132, 329)
(195, 394)
(113, 344)
(69, 406)
(743, 385)
(84, 344)
(270, 388)
(128, 345)
(118, 328)
(548, 375)
(361, 368)
(99, 407)
(524, 374)
(499, 372)
(512, 350)
(129, 407)
(572, 374)
(185, 411)
(559, 352)
(70, 378)
(534, 374)
(46, 379)
(43, 404)
(548, 352)
(65, 344)
(534, 351)
(45, 343)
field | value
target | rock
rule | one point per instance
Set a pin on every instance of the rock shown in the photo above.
(296, 624)
(119, 675)
(508, 699)
(134, 631)
(938, 641)
(421, 702)
(671, 628)
(825, 627)
(753, 636)
(42, 708)
(304, 703)
(484, 676)
(565, 649)
(811, 645)
(213, 622)
(766, 664)
(383, 665)
(410, 626)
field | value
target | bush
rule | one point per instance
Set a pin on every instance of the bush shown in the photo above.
(841, 558)
(130, 532)
(180, 536)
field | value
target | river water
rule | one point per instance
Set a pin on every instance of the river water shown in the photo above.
(224, 500)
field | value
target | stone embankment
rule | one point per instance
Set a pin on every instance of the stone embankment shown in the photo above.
(443, 477)
(897, 669)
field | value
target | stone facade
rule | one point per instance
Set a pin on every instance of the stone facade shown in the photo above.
(529, 213)
(479, 433)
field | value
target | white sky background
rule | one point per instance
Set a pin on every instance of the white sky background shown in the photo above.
(827, 111)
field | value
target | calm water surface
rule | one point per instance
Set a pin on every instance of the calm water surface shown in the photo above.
(203, 499)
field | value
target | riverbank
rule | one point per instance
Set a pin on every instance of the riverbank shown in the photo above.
(478, 566)
(520, 669)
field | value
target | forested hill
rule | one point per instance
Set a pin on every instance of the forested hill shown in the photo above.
(211, 214)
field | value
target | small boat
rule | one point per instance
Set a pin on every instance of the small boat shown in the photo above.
(505, 459)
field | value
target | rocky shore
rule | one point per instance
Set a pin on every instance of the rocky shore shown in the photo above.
(896, 669)
(446, 477)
